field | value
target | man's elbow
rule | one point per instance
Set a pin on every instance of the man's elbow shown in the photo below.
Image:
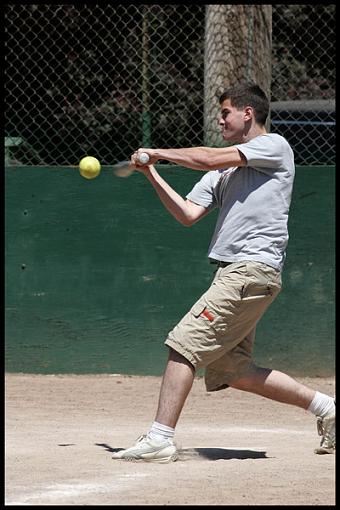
(188, 221)
(192, 214)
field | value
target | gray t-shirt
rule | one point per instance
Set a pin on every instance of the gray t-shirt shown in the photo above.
(254, 202)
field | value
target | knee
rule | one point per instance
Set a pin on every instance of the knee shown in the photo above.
(179, 358)
(240, 384)
(245, 380)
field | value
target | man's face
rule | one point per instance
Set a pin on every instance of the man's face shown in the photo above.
(233, 121)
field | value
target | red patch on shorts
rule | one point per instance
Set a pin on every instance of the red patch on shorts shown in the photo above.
(208, 315)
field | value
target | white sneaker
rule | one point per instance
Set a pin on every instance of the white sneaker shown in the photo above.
(326, 429)
(149, 450)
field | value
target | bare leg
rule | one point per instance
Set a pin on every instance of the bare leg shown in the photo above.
(276, 386)
(176, 385)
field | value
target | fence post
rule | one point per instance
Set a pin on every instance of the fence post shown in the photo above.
(146, 117)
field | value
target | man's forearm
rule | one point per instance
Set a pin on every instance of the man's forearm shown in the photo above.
(171, 200)
(199, 158)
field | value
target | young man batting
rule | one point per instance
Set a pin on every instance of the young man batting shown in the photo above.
(251, 183)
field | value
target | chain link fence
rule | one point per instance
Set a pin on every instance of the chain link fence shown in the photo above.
(104, 80)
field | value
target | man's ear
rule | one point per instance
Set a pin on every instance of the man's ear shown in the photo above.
(248, 113)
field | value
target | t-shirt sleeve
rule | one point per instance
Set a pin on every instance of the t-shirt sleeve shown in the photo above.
(264, 152)
(203, 191)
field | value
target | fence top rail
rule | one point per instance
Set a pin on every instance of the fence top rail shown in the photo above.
(303, 105)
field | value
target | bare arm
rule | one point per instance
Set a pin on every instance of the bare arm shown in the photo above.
(184, 211)
(197, 158)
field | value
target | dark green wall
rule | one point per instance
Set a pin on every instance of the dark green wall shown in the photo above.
(97, 272)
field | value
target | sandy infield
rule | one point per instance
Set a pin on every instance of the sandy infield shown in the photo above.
(236, 448)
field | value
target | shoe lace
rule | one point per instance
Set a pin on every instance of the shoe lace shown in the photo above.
(141, 438)
(319, 425)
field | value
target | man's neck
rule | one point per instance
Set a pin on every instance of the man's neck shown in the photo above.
(254, 131)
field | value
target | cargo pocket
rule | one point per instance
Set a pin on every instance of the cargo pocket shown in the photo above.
(211, 319)
(200, 309)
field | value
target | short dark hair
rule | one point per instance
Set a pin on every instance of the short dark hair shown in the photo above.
(248, 94)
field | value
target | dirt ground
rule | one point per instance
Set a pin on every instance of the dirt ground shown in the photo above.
(236, 448)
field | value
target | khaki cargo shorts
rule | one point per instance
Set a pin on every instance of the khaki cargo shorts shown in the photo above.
(219, 331)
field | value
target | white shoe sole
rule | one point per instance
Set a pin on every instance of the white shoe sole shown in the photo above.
(161, 460)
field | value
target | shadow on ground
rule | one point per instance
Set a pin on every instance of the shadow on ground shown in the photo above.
(219, 454)
(206, 453)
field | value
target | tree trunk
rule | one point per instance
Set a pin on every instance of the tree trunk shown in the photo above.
(237, 48)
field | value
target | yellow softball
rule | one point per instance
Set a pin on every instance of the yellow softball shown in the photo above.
(89, 167)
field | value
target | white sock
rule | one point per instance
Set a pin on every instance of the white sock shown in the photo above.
(321, 404)
(160, 432)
